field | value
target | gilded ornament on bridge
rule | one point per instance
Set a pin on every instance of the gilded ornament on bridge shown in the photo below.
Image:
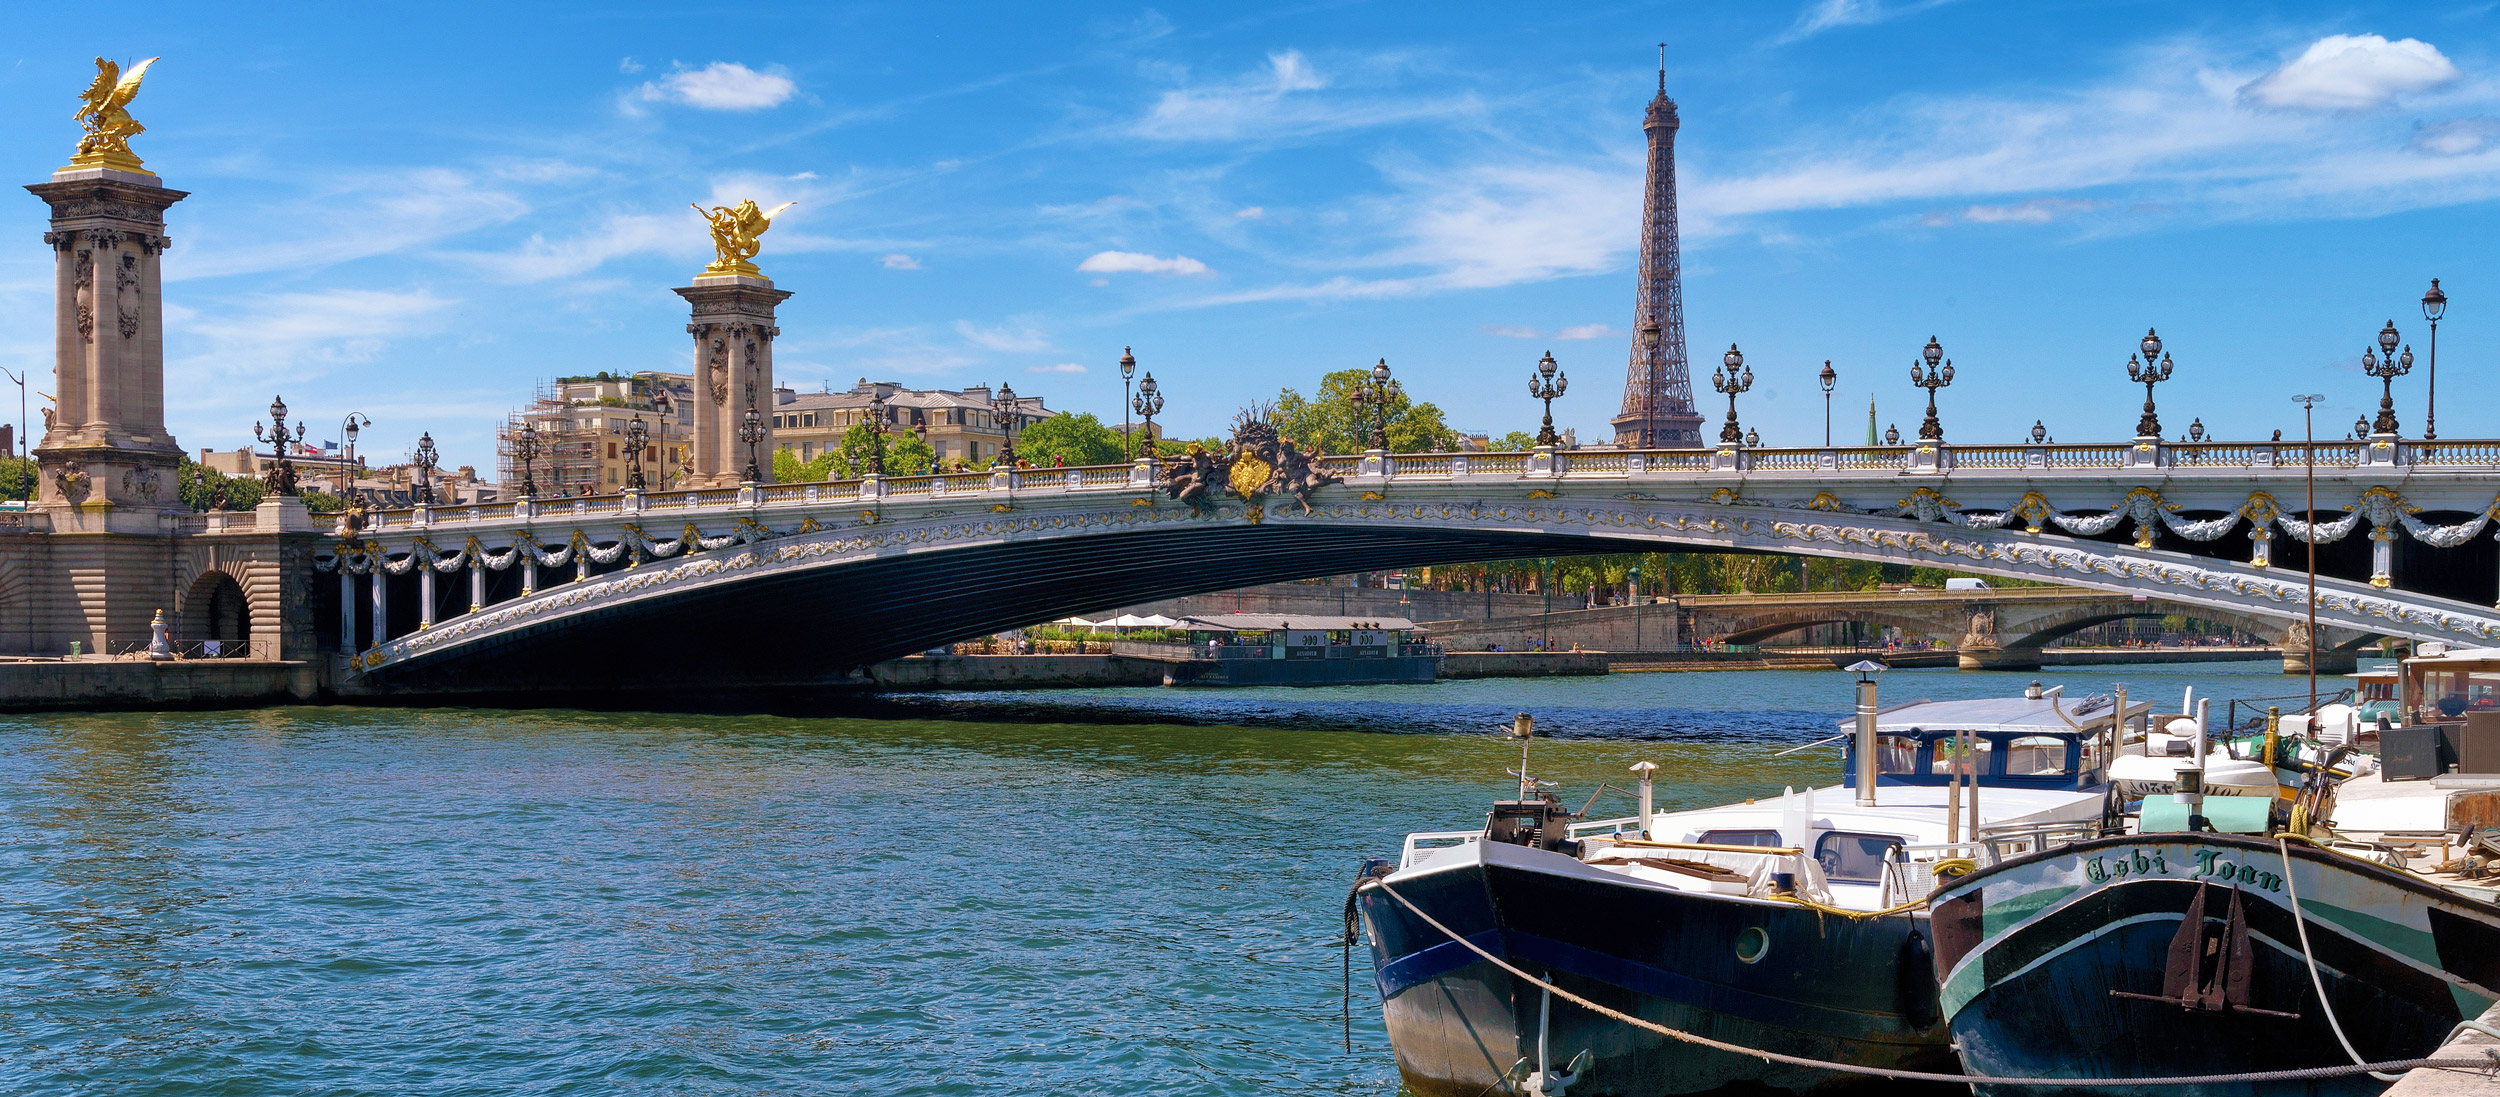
(1260, 463)
(102, 111)
(2033, 510)
(737, 235)
(1828, 502)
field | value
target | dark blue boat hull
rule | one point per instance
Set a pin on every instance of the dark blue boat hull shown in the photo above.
(1827, 987)
(2040, 962)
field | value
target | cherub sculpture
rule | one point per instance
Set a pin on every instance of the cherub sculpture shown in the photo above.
(101, 110)
(737, 233)
(1189, 479)
(1298, 473)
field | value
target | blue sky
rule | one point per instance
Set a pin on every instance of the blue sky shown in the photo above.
(419, 218)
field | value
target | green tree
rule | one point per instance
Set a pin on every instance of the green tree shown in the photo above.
(1513, 442)
(1079, 439)
(17, 477)
(1335, 423)
(201, 488)
(906, 454)
(788, 469)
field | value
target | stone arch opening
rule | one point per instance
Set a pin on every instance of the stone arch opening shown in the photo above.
(215, 609)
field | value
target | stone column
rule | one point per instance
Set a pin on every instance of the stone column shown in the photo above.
(105, 440)
(733, 333)
(425, 586)
(381, 603)
(347, 605)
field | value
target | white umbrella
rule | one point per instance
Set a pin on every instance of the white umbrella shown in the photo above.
(1074, 622)
(1157, 621)
(1126, 620)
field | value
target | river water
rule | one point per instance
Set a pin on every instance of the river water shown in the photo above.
(1097, 892)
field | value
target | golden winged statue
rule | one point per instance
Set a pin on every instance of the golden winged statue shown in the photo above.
(737, 235)
(109, 126)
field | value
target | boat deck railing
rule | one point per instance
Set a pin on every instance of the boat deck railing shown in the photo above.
(1417, 845)
(1911, 876)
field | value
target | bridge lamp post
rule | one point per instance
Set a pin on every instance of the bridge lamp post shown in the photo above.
(2386, 371)
(637, 434)
(2309, 516)
(348, 429)
(425, 458)
(1649, 393)
(1128, 367)
(1377, 394)
(751, 432)
(1931, 430)
(1004, 413)
(1548, 382)
(1147, 403)
(2039, 432)
(1727, 379)
(525, 447)
(1827, 377)
(2196, 429)
(2434, 306)
(876, 433)
(2153, 369)
(282, 474)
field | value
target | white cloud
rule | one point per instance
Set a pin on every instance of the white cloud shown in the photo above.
(1249, 213)
(540, 259)
(1508, 331)
(2351, 72)
(899, 261)
(2037, 211)
(1138, 262)
(1823, 15)
(225, 355)
(722, 85)
(1281, 101)
(2457, 137)
(1019, 338)
(1063, 367)
(1584, 331)
(629, 66)
(350, 217)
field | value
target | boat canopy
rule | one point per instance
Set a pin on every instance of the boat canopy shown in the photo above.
(1294, 622)
(2007, 714)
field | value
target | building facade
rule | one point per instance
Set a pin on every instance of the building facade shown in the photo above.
(960, 426)
(581, 427)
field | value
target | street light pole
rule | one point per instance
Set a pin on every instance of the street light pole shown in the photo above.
(1931, 430)
(1378, 392)
(2309, 529)
(1545, 383)
(2153, 369)
(1128, 366)
(1147, 404)
(1827, 377)
(20, 377)
(2386, 372)
(2434, 306)
(1727, 380)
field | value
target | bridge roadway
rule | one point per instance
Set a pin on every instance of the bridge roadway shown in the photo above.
(766, 582)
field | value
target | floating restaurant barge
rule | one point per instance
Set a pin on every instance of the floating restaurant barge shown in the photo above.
(1268, 649)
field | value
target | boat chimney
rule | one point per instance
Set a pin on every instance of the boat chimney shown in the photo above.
(2032, 691)
(1866, 670)
(1645, 769)
(2192, 777)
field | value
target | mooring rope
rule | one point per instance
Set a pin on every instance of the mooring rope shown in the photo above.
(2299, 1074)
(2301, 923)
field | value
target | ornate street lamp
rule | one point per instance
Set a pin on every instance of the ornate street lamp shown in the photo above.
(2434, 306)
(751, 432)
(425, 459)
(1546, 383)
(1128, 366)
(1649, 392)
(1931, 430)
(1827, 377)
(637, 434)
(1753, 439)
(2386, 371)
(2039, 432)
(1377, 394)
(2153, 369)
(1892, 435)
(1005, 412)
(2196, 429)
(525, 447)
(1728, 380)
(349, 429)
(876, 432)
(281, 475)
(1147, 404)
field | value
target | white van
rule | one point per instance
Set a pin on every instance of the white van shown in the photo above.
(1967, 584)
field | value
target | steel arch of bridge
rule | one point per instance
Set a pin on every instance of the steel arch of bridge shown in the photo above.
(1011, 549)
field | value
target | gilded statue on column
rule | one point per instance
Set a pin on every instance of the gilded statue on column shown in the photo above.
(737, 235)
(109, 126)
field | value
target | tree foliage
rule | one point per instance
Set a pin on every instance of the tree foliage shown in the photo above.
(1512, 442)
(1336, 423)
(1078, 439)
(906, 454)
(17, 477)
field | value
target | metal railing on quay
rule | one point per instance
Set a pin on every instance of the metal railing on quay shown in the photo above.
(193, 650)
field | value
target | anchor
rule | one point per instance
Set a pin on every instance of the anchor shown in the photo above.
(2209, 967)
(1546, 1082)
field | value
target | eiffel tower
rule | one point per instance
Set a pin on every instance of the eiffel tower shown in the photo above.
(1658, 389)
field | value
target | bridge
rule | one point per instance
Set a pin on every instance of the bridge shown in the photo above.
(764, 581)
(1998, 629)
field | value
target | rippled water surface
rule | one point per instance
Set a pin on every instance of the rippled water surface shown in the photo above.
(1100, 892)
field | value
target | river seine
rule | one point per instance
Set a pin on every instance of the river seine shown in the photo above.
(1100, 892)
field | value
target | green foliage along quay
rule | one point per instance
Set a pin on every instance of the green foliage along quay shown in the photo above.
(1333, 422)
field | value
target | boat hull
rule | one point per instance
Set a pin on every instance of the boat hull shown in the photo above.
(1824, 986)
(2048, 964)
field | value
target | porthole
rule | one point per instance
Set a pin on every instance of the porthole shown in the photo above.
(1751, 944)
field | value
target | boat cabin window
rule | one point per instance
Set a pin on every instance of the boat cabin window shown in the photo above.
(2457, 692)
(2378, 691)
(1981, 748)
(1896, 754)
(1850, 857)
(1739, 838)
(2037, 756)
